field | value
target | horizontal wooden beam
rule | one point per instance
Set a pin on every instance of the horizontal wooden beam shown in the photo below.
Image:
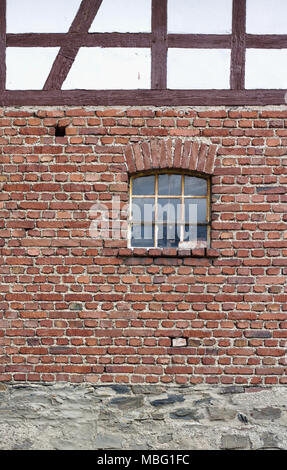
(79, 40)
(205, 41)
(209, 41)
(269, 41)
(143, 97)
(2, 44)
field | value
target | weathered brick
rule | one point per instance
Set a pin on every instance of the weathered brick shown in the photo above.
(95, 310)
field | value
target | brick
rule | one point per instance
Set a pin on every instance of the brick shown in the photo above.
(146, 155)
(155, 153)
(202, 157)
(210, 315)
(177, 153)
(194, 156)
(186, 155)
(129, 159)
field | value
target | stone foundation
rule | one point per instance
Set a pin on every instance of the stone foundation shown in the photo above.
(144, 417)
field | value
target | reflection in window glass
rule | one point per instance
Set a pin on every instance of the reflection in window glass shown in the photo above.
(195, 233)
(144, 185)
(198, 68)
(169, 185)
(41, 16)
(205, 16)
(202, 232)
(169, 210)
(29, 67)
(142, 235)
(195, 210)
(143, 209)
(124, 16)
(168, 236)
(180, 220)
(195, 186)
(266, 16)
(105, 68)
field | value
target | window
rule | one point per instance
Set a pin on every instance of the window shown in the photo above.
(169, 210)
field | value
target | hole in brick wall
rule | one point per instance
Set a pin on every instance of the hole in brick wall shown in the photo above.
(178, 342)
(60, 131)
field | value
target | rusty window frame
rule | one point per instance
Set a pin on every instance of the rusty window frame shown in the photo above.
(182, 197)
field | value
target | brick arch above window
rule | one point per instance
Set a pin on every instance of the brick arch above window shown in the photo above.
(182, 154)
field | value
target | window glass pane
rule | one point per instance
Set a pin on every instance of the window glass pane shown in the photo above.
(169, 210)
(40, 16)
(195, 186)
(266, 16)
(195, 211)
(202, 232)
(204, 16)
(124, 16)
(190, 233)
(143, 186)
(143, 209)
(29, 67)
(198, 68)
(193, 233)
(110, 68)
(169, 185)
(168, 236)
(266, 68)
(142, 235)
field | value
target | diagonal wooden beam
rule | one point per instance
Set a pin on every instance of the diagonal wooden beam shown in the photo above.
(238, 47)
(159, 44)
(2, 45)
(67, 54)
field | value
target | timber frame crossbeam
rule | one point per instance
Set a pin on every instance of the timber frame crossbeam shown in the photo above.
(158, 41)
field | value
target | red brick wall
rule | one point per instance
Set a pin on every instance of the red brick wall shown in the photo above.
(74, 308)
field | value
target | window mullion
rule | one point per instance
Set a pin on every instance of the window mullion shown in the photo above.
(182, 209)
(156, 212)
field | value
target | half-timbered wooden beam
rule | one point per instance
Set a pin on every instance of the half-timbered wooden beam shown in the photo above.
(266, 41)
(204, 41)
(144, 97)
(159, 41)
(79, 40)
(66, 55)
(190, 41)
(237, 73)
(2, 45)
(159, 44)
